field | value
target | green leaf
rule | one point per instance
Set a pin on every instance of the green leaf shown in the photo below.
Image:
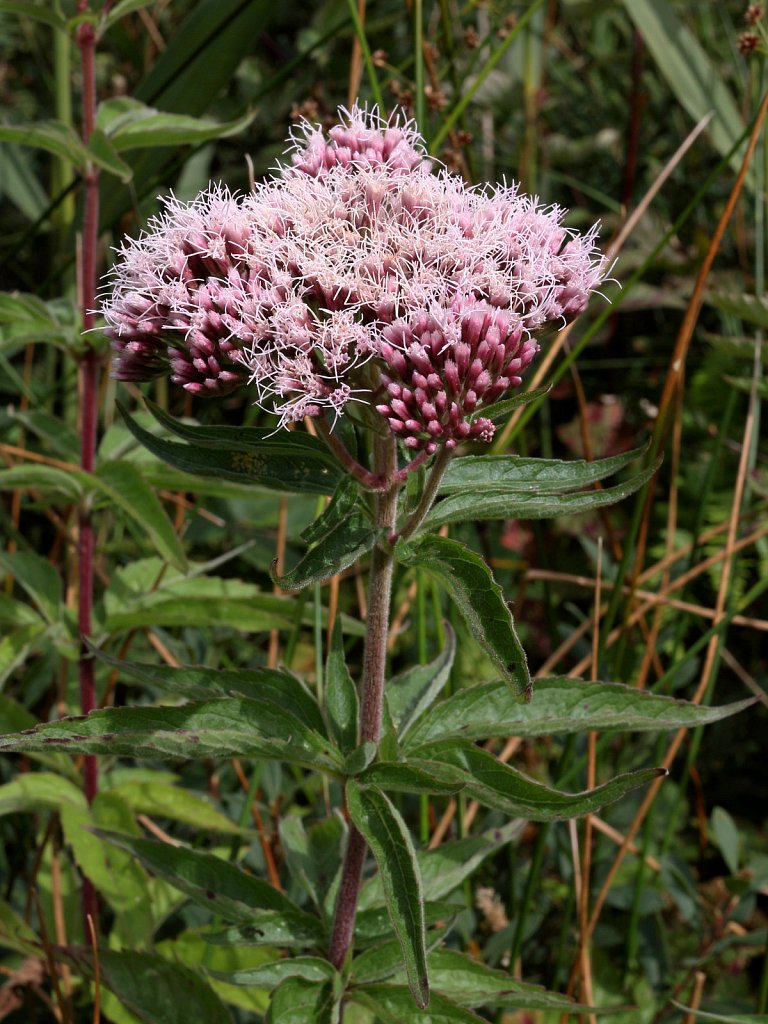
(121, 9)
(119, 878)
(300, 1001)
(342, 504)
(276, 685)
(501, 409)
(313, 855)
(48, 479)
(28, 9)
(360, 758)
(559, 705)
(478, 597)
(39, 791)
(506, 504)
(15, 646)
(163, 800)
(695, 81)
(125, 486)
(383, 961)
(155, 990)
(341, 702)
(275, 928)
(374, 925)
(413, 777)
(750, 308)
(267, 976)
(497, 785)
(229, 727)
(727, 837)
(62, 140)
(393, 1004)
(102, 152)
(409, 694)
(534, 476)
(264, 466)
(38, 578)
(472, 984)
(444, 869)
(14, 612)
(339, 549)
(384, 830)
(130, 124)
(20, 184)
(213, 883)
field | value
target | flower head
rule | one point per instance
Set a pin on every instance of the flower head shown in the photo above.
(356, 273)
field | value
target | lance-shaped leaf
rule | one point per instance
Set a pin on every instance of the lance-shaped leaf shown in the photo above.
(503, 408)
(388, 837)
(61, 140)
(49, 479)
(161, 799)
(229, 727)
(479, 599)
(271, 974)
(506, 504)
(299, 1001)
(393, 1004)
(341, 702)
(30, 9)
(444, 869)
(276, 685)
(385, 960)
(344, 501)
(413, 777)
(213, 883)
(153, 989)
(245, 438)
(274, 928)
(123, 484)
(130, 124)
(533, 476)
(373, 926)
(472, 984)
(751, 308)
(35, 575)
(560, 705)
(410, 694)
(275, 465)
(339, 549)
(497, 785)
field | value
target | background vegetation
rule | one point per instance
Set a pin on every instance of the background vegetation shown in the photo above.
(587, 104)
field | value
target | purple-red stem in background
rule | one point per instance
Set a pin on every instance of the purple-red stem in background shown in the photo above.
(88, 390)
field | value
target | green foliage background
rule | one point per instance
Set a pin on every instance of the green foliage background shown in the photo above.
(585, 104)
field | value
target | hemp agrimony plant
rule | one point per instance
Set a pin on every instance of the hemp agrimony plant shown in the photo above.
(393, 310)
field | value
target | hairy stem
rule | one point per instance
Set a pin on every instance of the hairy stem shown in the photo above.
(372, 481)
(88, 381)
(430, 493)
(374, 664)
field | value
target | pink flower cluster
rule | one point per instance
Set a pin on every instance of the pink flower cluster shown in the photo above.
(355, 274)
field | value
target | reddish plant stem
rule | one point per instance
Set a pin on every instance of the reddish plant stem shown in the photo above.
(371, 481)
(88, 392)
(374, 666)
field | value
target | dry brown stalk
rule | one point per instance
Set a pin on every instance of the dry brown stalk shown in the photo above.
(731, 542)
(698, 987)
(266, 846)
(96, 972)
